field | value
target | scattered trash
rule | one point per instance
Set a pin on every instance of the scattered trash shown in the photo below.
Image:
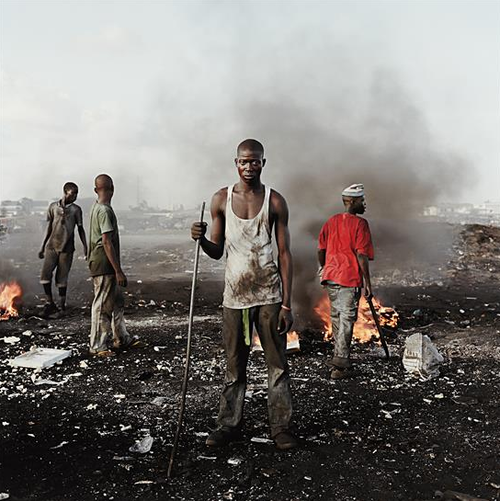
(209, 458)
(142, 446)
(40, 358)
(259, 440)
(27, 333)
(459, 496)
(201, 433)
(62, 444)
(144, 482)
(421, 357)
(11, 339)
(159, 401)
(40, 381)
(124, 427)
(91, 407)
(234, 461)
(84, 365)
(4, 495)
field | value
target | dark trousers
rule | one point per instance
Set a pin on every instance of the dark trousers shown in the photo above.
(279, 399)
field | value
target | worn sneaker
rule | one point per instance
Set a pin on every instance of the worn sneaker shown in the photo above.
(338, 373)
(49, 309)
(220, 438)
(285, 441)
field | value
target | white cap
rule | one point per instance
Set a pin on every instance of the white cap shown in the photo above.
(355, 190)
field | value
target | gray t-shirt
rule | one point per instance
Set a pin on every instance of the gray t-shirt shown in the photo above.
(63, 219)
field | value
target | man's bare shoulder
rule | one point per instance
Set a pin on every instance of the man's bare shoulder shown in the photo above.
(277, 201)
(219, 199)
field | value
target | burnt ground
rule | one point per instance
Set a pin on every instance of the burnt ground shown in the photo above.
(382, 435)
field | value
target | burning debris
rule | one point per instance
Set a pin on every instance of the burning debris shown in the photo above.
(10, 297)
(365, 329)
(292, 342)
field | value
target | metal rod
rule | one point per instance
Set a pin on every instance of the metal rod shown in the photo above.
(188, 353)
(379, 328)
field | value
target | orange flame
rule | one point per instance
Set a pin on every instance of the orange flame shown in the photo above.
(10, 294)
(292, 341)
(364, 328)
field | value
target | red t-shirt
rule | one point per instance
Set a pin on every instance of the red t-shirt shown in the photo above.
(343, 236)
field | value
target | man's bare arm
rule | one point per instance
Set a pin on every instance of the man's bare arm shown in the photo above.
(365, 270)
(214, 247)
(110, 251)
(285, 263)
(48, 232)
(83, 238)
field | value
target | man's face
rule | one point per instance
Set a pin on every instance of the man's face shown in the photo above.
(70, 196)
(360, 205)
(249, 164)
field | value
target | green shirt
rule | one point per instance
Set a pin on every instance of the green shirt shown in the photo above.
(102, 220)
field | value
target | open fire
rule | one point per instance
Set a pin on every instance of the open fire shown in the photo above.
(364, 328)
(10, 297)
(292, 342)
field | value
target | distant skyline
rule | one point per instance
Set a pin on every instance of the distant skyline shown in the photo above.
(162, 92)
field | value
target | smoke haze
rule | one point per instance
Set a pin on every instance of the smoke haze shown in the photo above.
(158, 95)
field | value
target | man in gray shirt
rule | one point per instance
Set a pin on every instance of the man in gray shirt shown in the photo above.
(59, 245)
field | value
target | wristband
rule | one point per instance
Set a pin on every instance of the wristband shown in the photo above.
(286, 308)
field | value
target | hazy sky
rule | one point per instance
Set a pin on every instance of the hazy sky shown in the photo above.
(159, 93)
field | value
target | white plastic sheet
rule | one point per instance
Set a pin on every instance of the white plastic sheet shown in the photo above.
(421, 358)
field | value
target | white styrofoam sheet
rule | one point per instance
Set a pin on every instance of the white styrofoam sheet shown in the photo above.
(40, 358)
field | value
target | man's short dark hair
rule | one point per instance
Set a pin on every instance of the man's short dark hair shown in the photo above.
(70, 186)
(250, 145)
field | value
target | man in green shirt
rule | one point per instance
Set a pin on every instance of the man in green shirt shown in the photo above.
(107, 275)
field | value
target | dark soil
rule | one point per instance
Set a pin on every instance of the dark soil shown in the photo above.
(382, 435)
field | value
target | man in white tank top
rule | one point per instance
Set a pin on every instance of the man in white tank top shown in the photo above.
(256, 292)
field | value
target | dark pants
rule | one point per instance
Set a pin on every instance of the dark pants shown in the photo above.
(279, 398)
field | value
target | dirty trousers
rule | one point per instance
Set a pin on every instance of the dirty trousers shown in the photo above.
(344, 303)
(59, 261)
(279, 399)
(107, 314)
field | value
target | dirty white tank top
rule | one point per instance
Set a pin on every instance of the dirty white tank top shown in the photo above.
(252, 277)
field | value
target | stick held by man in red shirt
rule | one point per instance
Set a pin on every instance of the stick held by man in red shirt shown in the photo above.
(344, 249)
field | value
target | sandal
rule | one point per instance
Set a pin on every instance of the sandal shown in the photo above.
(103, 354)
(135, 342)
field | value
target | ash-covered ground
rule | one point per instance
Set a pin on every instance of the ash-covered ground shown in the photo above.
(66, 432)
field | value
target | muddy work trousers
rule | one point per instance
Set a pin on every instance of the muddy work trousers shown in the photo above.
(344, 303)
(108, 321)
(237, 348)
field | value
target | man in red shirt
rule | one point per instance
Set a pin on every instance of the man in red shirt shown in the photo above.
(344, 249)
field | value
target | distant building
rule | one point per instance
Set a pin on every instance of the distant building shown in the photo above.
(464, 213)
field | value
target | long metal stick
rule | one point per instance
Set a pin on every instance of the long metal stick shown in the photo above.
(377, 323)
(188, 353)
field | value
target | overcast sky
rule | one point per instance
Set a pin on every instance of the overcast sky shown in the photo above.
(159, 93)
